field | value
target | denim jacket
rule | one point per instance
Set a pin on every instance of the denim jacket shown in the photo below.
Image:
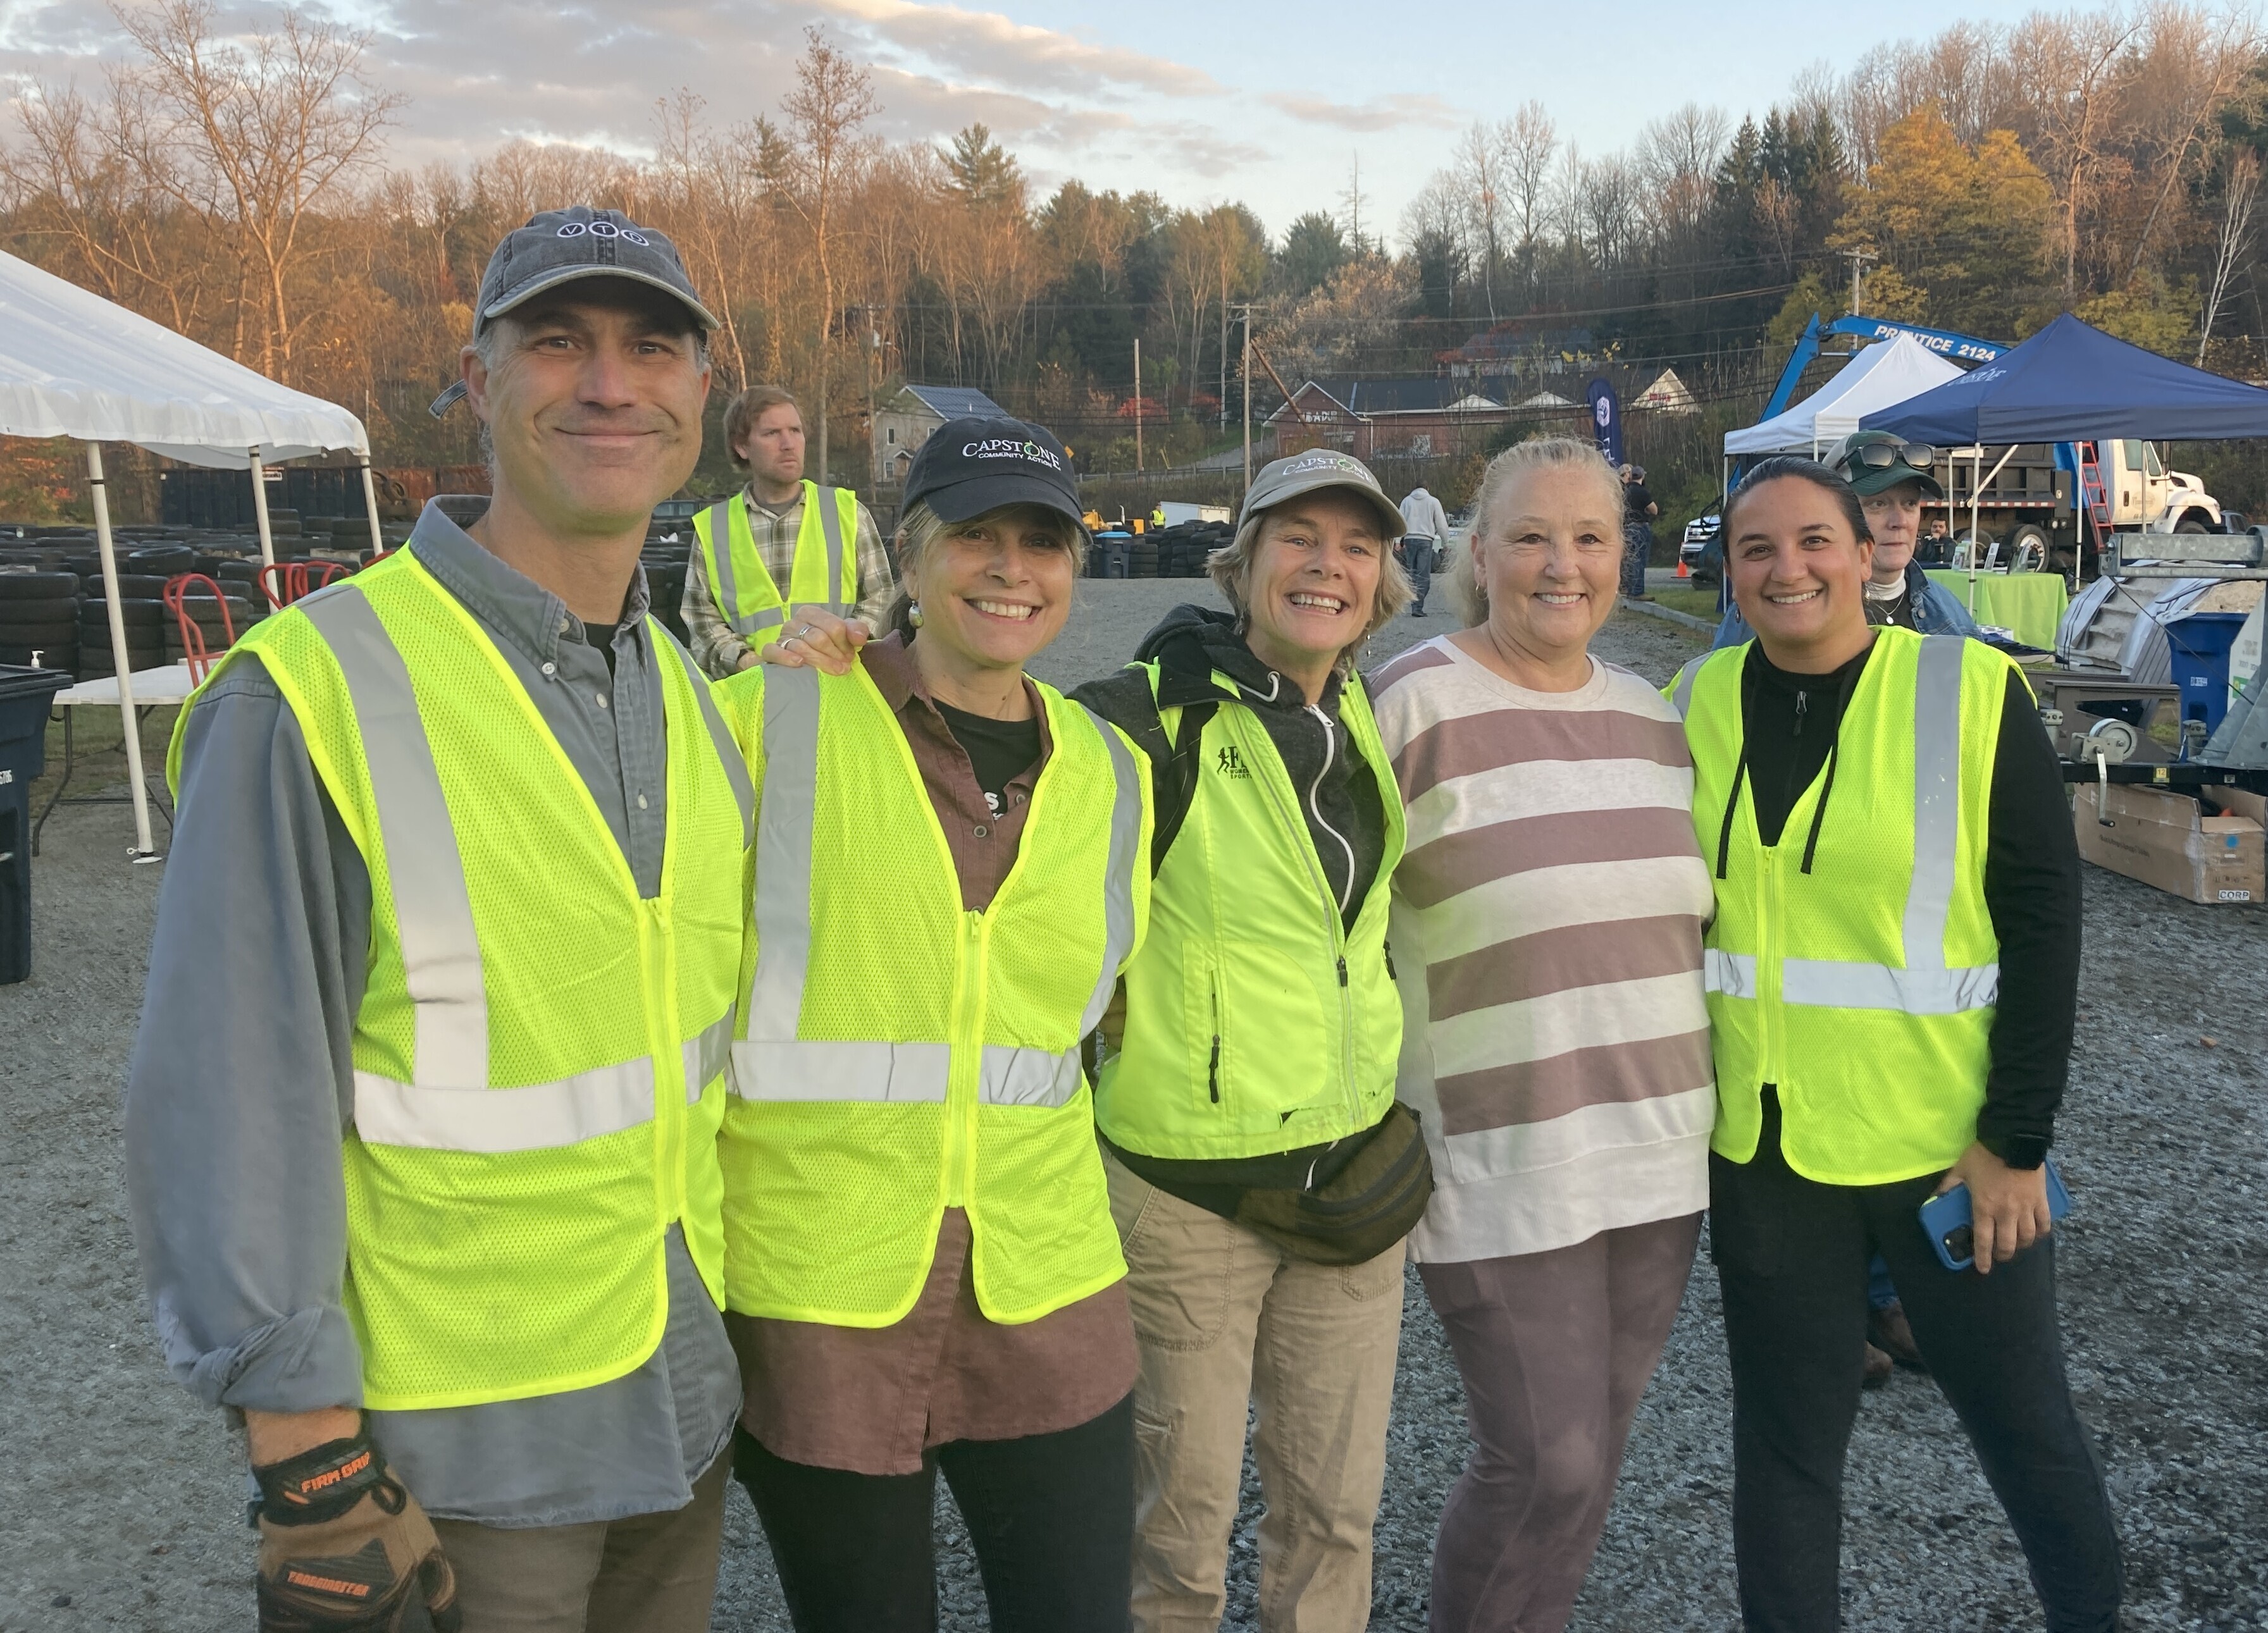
(1937, 611)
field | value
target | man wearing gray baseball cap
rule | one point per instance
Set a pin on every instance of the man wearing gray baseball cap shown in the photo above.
(1261, 1175)
(465, 831)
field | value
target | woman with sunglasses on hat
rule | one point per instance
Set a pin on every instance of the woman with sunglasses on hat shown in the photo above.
(1892, 972)
(1890, 476)
(1262, 1176)
(921, 1273)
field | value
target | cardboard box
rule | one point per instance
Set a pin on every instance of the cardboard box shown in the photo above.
(2165, 840)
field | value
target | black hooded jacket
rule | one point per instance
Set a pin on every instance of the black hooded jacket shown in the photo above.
(1196, 649)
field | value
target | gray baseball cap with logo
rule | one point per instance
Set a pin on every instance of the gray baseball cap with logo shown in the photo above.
(1289, 477)
(558, 246)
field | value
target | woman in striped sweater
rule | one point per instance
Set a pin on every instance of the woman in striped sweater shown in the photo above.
(1547, 925)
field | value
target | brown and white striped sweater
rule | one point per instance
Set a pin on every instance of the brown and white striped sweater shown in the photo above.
(1547, 924)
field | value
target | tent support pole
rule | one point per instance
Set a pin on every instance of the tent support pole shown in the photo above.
(130, 725)
(370, 503)
(260, 510)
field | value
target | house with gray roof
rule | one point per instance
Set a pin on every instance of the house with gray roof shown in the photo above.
(904, 423)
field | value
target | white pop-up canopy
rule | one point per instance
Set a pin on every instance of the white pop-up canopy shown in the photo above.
(74, 364)
(1886, 373)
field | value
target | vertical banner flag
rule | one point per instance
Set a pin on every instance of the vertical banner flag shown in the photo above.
(1606, 420)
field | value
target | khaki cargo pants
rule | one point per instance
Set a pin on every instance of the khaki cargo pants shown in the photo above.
(1226, 1319)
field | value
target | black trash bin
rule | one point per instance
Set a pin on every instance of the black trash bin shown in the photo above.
(24, 697)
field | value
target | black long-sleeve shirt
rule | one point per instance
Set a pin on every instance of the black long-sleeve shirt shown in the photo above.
(2031, 879)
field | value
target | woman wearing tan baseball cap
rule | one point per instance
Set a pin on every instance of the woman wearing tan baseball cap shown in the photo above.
(1262, 1176)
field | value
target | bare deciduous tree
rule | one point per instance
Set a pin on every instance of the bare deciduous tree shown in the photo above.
(833, 98)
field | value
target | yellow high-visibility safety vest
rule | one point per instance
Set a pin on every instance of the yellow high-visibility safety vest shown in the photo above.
(1257, 1020)
(538, 1053)
(1863, 987)
(824, 573)
(899, 1055)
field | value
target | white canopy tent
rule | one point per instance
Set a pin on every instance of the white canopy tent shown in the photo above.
(1886, 373)
(74, 364)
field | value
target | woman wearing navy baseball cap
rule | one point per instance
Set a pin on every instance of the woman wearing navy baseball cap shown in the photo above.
(921, 1272)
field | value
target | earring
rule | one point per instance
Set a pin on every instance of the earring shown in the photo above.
(913, 613)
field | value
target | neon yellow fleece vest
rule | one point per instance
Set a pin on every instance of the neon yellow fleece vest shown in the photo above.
(900, 1055)
(1256, 1022)
(539, 1052)
(824, 573)
(1864, 988)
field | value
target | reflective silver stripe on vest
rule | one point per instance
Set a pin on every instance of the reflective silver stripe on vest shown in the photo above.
(728, 751)
(783, 830)
(1732, 974)
(1013, 1076)
(432, 907)
(708, 1055)
(831, 519)
(800, 1069)
(1829, 984)
(539, 1117)
(723, 584)
(1680, 695)
(1118, 884)
(1937, 802)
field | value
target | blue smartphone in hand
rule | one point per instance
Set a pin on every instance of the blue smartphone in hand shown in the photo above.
(1947, 1221)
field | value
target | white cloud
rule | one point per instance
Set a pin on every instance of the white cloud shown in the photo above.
(1387, 112)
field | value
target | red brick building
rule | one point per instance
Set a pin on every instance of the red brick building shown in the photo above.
(1424, 419)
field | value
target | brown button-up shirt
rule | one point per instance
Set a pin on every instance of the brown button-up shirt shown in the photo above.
(874, 1399)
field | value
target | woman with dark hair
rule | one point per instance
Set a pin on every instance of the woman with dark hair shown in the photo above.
(921, 1273)
(1892, 979)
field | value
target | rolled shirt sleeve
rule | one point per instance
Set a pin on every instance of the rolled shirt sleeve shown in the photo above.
(242, 1073)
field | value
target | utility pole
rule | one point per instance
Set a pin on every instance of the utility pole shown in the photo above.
(1858, 258)
(1246, 314)
(1138, 404)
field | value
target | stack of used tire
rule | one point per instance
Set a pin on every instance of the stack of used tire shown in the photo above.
(39, 620)
(1183, 547)
(144, 614)
(1142, 559)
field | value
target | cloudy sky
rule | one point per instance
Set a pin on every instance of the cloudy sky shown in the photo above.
(1200, 99)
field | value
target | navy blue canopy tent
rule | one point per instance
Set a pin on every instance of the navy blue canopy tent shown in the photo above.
(2070, 382)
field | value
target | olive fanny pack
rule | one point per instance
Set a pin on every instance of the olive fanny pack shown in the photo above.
(1377, 1195)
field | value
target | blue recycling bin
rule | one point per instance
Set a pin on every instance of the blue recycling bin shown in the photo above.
(1114, 548)
(25, 698)
(2198, 649)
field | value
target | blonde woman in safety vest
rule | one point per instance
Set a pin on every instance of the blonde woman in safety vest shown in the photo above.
(421, 1123)
(781, 543)
(1892, 975)
(1262, 1174)
(920, 1269)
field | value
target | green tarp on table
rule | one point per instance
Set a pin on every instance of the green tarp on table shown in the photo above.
(2030, 604)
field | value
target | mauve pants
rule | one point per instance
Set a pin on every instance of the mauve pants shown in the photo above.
(1555, 1349)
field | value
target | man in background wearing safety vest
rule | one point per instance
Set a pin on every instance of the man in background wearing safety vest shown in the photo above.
(421, 1126)
(780, 542)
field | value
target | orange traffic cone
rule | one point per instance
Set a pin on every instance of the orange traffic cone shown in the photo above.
(1682, 571)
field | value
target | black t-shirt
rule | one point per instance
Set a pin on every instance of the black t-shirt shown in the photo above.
(1789, 722)
(1636, 502)
(1899, 611)
(999, 751)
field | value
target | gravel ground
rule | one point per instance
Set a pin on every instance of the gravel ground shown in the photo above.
(119, 1506)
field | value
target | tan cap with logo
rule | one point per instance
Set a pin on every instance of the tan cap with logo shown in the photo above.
(1288, 478)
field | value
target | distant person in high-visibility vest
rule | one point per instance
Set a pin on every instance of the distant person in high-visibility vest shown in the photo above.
(920, 1266)
(459, 841)
(782, 541)
(1892, 978)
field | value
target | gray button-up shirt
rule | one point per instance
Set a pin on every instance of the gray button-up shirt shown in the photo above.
(242, 1082)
